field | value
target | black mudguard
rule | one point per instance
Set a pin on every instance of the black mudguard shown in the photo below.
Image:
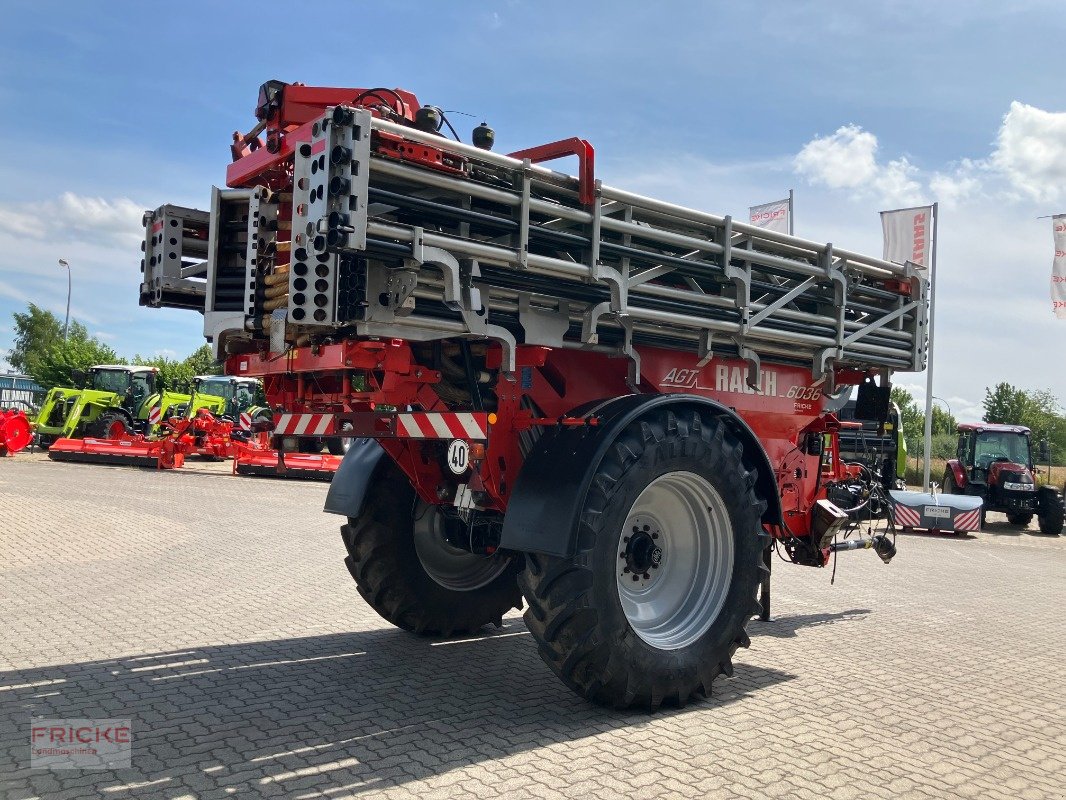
(542, 512)
(347, 490)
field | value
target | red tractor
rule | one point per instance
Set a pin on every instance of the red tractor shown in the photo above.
(607, 405)
(994, 462)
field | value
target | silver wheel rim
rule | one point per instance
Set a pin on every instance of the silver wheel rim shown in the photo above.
(455, 569)
(675, 560)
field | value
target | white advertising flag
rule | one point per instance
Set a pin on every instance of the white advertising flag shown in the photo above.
(772, 216)
(908, 235)
(1058, 269)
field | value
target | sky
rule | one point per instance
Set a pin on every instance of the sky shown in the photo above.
(111, 109)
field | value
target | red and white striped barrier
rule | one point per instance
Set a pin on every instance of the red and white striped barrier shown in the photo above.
(246, 421)
(303, 425)
(442, 425)
(906, 517)
(408, 425)
(940, 512)
(155, 413)
(968, 521)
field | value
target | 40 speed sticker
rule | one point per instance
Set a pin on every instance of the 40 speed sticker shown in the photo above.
(458, 457)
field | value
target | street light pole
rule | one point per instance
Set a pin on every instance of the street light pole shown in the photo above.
(945, 402)
(66, 319)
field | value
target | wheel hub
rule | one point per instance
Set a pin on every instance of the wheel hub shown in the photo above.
(643, 553)
(675, 560)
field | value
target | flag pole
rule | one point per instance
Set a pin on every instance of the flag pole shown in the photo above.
(929, 352)
(791, 216)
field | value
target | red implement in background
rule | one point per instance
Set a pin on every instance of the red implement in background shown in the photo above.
(135, 451)
(249, 459)
(15, 432)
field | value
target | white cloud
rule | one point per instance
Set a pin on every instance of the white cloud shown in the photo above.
(847, 159)
(1027, 163)
(1031, 151)
(74, 218)
(844, 160)
(962, 183)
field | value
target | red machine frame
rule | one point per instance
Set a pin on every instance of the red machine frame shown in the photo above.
(784, 413)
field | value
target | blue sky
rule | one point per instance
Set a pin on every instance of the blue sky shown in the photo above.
(113, 108)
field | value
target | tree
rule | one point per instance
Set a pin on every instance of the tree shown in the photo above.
(911, 418)
(57, 366)
(943, 422)
(171, 374)
(1038, 410)
(202, 361)
(39, 351)
(1005, 404)
(176, 376)
(36, 330)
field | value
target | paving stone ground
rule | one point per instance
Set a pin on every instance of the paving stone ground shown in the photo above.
(216, 613)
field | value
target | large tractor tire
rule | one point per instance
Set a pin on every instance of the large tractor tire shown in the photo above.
(1022, 518)
(653, 605)
(111, 425)
(950, 487)
(1051, 512)
(412, 577)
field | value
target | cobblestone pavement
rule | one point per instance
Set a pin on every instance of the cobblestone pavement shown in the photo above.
(216, 613)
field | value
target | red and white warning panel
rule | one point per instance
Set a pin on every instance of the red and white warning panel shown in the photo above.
(470, 426)
(446, 425)
(304, 425)
(936, 512)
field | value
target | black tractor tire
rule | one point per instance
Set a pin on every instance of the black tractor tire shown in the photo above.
(575, 610)
(1022, 518)
(950, 487)
(389, 573)
(45, 440)
(1052, 514)
(111, 425)
(337, 445)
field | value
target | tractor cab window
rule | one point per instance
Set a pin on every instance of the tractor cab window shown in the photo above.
(111, 380)
(996, 446)
(243, 396)
(223, 389)
(142, 386)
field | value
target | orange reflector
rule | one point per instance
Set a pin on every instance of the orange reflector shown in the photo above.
(477, 451)
(492, 419)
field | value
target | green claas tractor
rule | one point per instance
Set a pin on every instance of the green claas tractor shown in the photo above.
(115, 400)
(230, 398)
